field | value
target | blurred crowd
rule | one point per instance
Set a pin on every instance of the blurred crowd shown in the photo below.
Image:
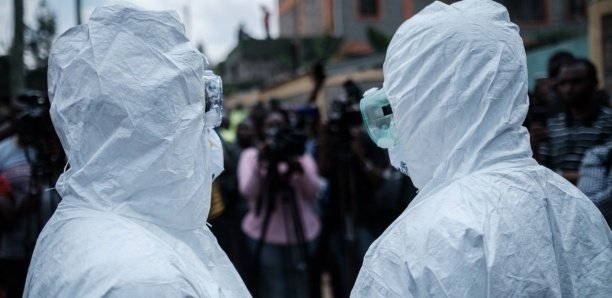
(326, 175)
(31, 159)
(303, 195)
(570, 123)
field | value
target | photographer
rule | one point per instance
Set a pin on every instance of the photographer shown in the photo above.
(280, 181)
(364, 196)
(29, 162)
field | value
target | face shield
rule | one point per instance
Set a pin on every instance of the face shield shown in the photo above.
(378, 118)
(213, 99)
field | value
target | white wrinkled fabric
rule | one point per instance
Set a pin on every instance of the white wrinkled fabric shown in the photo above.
(126, 92)
(215, 150)
(396, 159)
(488, 220)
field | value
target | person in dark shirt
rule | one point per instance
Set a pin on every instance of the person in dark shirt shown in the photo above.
(585, 123)
(595, 179)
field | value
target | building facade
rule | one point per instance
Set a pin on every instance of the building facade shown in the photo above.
(539, 20)
(304, 18)
(600, 37)
(347, 19)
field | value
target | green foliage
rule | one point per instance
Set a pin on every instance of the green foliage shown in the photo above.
(282, 50)
(39, 41)
(323, 48)
(378, 40)
(230, 89)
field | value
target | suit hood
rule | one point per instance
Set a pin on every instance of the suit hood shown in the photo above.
(126, 91)
(456, 78)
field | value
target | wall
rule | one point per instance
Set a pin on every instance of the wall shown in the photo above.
(355, 27)
(596, 41)
(311, 17)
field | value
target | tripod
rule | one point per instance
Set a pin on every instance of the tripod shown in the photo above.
(276, 190)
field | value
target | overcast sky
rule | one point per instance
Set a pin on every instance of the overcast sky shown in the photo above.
(213, 23)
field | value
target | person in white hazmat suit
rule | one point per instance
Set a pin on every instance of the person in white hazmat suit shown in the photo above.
(128, 98)
(488, 221)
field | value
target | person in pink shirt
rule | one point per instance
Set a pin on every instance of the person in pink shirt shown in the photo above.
(282, 244)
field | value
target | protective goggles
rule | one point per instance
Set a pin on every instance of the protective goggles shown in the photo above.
(378, 118)
(213, 99)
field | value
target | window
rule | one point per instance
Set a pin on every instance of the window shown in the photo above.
(526, 10)
(576, 9)
(368, 8)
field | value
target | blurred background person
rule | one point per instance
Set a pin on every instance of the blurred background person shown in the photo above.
(280, 182)
(364, 193)
(584, 123)
(228, 207)
(545, 102)
(595, 179)
(554, 103)
(30, 161)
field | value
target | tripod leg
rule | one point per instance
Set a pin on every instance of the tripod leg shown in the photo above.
(255, 274)
(311, 278)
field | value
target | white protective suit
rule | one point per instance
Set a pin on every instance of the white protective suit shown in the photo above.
(488, 220)
(127, 102)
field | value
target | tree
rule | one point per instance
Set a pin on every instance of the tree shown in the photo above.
(17, 69)
(378, 40)
(39, 40)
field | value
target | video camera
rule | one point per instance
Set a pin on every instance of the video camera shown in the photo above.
(31, 114)
(346, 114)
(36, 134)
(286, 144)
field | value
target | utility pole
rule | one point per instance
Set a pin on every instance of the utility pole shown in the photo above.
(16, 62)
(297, 36)
(78, 12)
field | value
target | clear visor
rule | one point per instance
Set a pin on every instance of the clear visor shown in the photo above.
(213, 99)
(378, 118)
